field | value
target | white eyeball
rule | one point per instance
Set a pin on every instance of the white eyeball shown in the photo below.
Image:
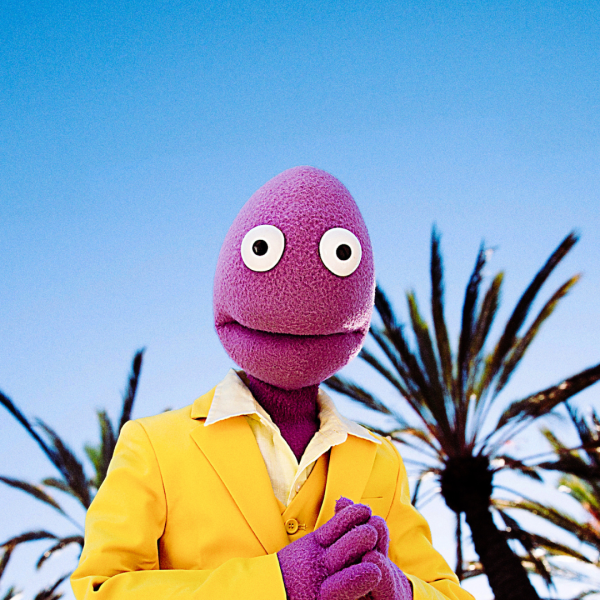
(262, 247)
(340, 251)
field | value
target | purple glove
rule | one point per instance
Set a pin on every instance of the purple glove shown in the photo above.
(394, 584)
(327, 563)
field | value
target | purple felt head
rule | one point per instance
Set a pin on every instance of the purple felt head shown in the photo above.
(295, 323)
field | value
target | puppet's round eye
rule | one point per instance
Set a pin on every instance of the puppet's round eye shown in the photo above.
(262, 247)
(340, 251)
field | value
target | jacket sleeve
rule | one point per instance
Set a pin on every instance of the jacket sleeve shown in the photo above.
(124, 524)
(410, 548)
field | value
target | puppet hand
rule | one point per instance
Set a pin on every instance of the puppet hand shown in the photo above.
(326, 564)
(394, 584)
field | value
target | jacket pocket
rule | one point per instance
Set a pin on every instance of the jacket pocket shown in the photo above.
(378, 504)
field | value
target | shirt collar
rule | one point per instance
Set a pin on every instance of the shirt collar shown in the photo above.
(233, 399)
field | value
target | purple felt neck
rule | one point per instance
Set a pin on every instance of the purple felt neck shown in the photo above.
(295, 412)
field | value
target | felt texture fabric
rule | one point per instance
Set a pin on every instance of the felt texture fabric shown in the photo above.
(326, 564)
(298, 323)
(295, 412)
(394, 585)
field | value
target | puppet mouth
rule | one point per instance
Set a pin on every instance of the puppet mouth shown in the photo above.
(288, 360)
(242, 330)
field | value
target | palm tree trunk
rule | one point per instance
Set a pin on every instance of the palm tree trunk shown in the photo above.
(459, 551)
(506, 575)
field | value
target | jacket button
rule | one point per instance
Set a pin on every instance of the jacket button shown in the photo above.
(291, 526)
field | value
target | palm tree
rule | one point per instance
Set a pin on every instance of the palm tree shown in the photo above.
(580, 478)
(71, 479)
(451, 394)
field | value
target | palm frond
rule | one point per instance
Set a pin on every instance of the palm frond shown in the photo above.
(437, 309)
(541, 403)
(521, 346)
(101, 455)
(33, 490)
(557, 446)
(554, 548)
(414, 396)
(58, 484)
(479, 362)
(589, 434)
(62, 543)
(357, 393)
(428, 497)
(69, 466)
(10, 545)
(586, 494)
(30, 536)
(378, 366)
(420, 466)
(425, 397)
(72, 480)
(50, 592)
(426, 355)
(517, 465)
(384, 308)
(7, 550)
(60, 456)
(20, 417)
(583, 531)
(422, 435)
(573, 465)
(11, 593)
(409, 369)
(472, 569)
(523, 306)
(129, 396)
(486, 316)
(468, 321)
(415, 495)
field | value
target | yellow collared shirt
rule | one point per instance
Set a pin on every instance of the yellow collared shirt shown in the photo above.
(233, 399)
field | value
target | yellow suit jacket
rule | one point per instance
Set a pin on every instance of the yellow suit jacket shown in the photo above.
(188, 512)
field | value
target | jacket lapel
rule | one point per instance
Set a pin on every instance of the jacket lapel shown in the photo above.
(232, 450)
(350, 466)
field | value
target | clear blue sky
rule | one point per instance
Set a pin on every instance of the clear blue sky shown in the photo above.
(132, 133)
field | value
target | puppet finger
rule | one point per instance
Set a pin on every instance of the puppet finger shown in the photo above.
(385, 589)
(350, 548)
(394, 584)
(351, 583)
(342, 503)
(383, 534)
(341, 523)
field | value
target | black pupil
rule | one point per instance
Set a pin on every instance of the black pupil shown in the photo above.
(343, 252)
(260, 247)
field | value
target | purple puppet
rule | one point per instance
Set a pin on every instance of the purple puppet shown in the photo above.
(293, 297)
(293, 293)
(261, 490)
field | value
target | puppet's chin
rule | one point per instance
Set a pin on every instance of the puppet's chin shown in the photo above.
(289, 361)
